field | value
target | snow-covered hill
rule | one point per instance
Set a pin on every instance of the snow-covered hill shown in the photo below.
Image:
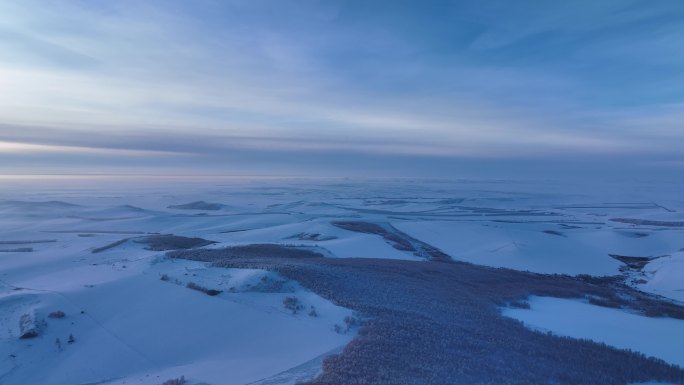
(139, 317)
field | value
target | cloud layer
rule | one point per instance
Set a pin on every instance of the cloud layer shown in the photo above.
(254, 85)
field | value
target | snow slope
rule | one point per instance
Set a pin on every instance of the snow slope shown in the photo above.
(131, 325)
(619, 328)
(665, 276)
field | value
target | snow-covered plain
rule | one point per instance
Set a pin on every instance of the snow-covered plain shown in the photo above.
(131, 326)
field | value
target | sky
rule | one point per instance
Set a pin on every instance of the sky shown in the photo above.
(343, 88)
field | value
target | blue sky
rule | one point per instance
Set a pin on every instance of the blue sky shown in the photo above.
(400, 88)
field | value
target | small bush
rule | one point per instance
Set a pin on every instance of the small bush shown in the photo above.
(350, 322)
(28, 327)
(194, 286)
(270, 285)
(174, 381)
(57, 314)
(164, 277)
(293, 304)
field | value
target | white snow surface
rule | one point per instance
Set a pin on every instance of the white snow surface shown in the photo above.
(615, 327)
(137, 328)
(665, 276)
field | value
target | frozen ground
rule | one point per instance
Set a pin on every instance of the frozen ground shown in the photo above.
(131, 326)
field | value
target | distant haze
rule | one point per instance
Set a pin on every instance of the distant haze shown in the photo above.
(343, 88)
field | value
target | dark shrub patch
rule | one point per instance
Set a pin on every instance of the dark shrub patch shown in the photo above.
(199, 205)
(636, 263)
(398, 239)
(272, 250)
(57, 314)
(312, 237)
(519, 304)
(109, 246)
(28, 328)
(292, 304)
(313, 312)
(174, 381)
(439, 323)
(606, 302)
(647, 222)
(211, 292)
(17, 250)
(172, 242)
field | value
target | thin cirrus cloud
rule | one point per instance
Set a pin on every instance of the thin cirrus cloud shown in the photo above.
(442, 80)
(33, 148)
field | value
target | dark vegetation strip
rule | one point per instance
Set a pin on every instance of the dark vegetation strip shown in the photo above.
(636, 263)
(395, 237)
(199, 205)
(396, 240)
(439, 323)
(160, 243)
(571, 222)
(455, 211)
(95, 232)
(612, 206)
(103, 219)
(17, 250)
(171, 242)
(256, 250)
(27, 242)
(109, 246)
(312, 237)
(239, 230)
(648, 222)
(205, 290)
